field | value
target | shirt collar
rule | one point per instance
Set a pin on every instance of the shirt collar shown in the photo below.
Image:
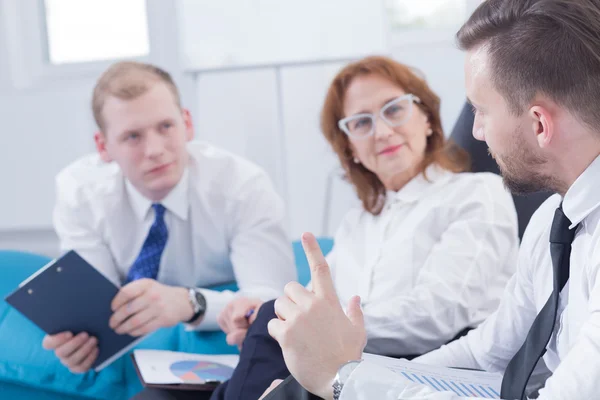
(419, 186)
(177, 201)
(583, 196)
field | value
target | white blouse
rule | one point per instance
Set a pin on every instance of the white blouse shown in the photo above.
(435, 261)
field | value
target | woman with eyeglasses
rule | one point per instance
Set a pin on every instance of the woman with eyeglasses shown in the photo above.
(431, 248)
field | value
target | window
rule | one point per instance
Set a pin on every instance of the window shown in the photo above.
(95, 30)
(425, 14)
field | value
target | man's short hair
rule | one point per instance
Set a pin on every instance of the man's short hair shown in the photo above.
(127, 80)
(546, 47)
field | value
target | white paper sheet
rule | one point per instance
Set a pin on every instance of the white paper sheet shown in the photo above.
(462, 382)
(169, 367)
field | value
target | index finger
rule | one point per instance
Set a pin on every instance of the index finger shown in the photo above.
(322, 282)
(128, 293)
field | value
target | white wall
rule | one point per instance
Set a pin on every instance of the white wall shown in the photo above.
(228, 33)
(276, 125)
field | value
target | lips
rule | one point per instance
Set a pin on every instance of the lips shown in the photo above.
(390, 149)
(160, 168)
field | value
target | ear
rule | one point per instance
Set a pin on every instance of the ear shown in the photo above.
(542, 125)
(100, 139)
(189, 125)
(429, 130)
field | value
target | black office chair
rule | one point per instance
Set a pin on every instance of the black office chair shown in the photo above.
(481, 161)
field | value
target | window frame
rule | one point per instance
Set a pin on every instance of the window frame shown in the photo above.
(24, 24)
(46, 39)
(427, 36)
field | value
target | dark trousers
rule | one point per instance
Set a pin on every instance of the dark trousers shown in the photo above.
(261, 362)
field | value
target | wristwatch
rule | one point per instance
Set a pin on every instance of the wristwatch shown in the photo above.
(342, 377)
(198, 302)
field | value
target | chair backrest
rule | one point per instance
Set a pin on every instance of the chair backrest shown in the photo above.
(481, 161)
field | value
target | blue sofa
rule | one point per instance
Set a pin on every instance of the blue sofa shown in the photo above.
(29, 372)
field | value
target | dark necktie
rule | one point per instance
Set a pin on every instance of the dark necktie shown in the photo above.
(521, 366)
(147, 262)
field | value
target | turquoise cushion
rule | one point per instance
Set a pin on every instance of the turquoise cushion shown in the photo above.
(15, 391)
(25, 367)
(24, 361)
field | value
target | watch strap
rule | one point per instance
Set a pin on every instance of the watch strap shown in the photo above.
(199, 310)
(340, 381)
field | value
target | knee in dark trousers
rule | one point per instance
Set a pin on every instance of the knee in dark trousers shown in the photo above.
(261, 361)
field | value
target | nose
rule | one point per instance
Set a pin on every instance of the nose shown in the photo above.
(155, 145)
(478, 133)
(382, 129)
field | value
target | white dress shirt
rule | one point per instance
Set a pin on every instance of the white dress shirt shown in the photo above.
(573, 353)
(435, 261)
(224, 218)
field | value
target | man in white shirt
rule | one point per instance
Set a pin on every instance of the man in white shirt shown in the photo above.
(533, 77)
(163, 216)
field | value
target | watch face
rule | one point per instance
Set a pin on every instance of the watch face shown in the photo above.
(201, 301)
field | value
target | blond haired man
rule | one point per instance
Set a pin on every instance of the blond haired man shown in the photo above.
(164, 216)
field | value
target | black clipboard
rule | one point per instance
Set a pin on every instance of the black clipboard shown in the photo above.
(68, 294)
(198, 387)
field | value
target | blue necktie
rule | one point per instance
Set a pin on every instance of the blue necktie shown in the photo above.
(147, 262)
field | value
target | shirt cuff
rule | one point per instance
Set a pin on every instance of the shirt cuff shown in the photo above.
(215, 303)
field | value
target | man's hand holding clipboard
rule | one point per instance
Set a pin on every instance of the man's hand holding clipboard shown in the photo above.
(88, 320)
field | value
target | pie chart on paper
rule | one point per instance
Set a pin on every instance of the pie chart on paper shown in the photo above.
(200, 371)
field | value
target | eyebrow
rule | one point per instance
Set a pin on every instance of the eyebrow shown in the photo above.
(382, 104)
(472, 103)
(166, 119)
